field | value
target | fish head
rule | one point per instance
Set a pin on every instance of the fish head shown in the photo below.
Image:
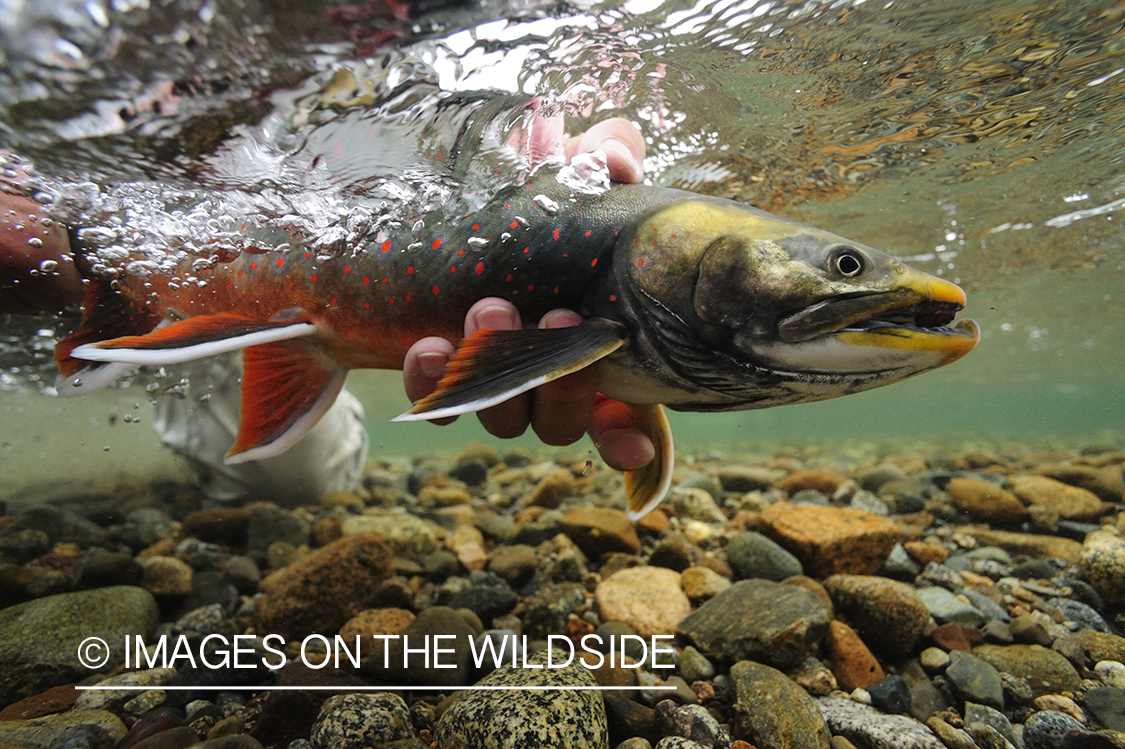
(761, 310)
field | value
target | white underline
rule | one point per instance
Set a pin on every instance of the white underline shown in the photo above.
(101, 687)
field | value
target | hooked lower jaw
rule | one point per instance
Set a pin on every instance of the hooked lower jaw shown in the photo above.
(950, 342)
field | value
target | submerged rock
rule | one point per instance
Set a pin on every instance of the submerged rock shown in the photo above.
(527, 719)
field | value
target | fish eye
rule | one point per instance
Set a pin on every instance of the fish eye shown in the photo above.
(848, 262)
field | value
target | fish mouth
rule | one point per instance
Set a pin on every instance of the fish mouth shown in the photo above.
(911, 319)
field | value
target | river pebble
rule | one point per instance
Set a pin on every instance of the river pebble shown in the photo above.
(968, 608)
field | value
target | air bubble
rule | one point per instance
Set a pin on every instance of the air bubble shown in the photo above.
(47, 265)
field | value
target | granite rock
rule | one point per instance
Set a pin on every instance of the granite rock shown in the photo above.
(355, 721)
(522, 719)
(1103, 565)
(867, 727)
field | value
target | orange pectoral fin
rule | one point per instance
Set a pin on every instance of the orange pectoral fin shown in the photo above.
(286, 388)
(646, 487)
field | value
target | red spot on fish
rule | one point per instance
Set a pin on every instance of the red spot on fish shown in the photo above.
(593, 262)
(514, 225)
(347, 269)
(507, 205)
(654, 244)
(436, 290)
(366, 280)
(367, 305)
(387, 246)
(240, 274)
(508, 278)
(460, 252)
(634, 239)
(436, 243)
(408, 297)
(588, 232)
(308, 255)
(613, 297)
(525, 249)
(453, 269)
(640, 261)
(476, 227)
(390, 300)
(385, 280)
(333, 300)
(556, 289)
(566, 254)
(673, 236)
(207, 271)
(480, 268)
(280, 262)
(556, 234)
(531, 287)
(314, 278)
(410, 271)
(253, 265)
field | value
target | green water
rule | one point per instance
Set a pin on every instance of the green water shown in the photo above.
(985, 146)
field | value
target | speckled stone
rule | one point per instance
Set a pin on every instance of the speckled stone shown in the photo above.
(888, 615)
(648, 599)
(771, 711)
(1046, 729)
(355, 721)
(944, 606)
(831, 540)
(868, 727)
(521, 719)
(701, 583)
(409, 536)
(760, 620)
(166, 576)
(321, 591)
(1045, 671)
(1103, 565)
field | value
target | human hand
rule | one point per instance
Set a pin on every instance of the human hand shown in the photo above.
(559, 412)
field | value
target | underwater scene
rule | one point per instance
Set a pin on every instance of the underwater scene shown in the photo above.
(775, 350)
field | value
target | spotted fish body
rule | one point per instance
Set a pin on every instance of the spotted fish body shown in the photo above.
(694, 302)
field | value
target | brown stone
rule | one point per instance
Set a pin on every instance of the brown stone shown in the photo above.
(924, 553)
(831, 540)
(222, 525)
(648, 599)
(985, 500)
(1104, 481)
(371, 622)
(953, 636)
(1070, 502)
(326, 530)
(655, 521)
(1046, 671)
(552, 489)
(851, 661)
(888, 614)
(1102, 646)
(54, 700)
(598, 530)
(703, 583)
(1103, 565)
(825, 482)
(322, 590)
(1030, 544)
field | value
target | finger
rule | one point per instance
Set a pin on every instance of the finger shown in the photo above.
(423, 366)
(622, 143)
(510, 418)
(562, 408)
(620, 443)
